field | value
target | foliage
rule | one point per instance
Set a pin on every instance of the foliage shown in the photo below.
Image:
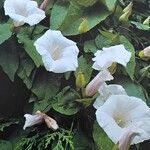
(28, 87)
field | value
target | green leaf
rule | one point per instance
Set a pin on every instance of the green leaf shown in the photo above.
(101, 140)
(9, 60)
(110, 4)
(132, 89)
(71, 20)
(29, 47)
(140, 25)
(130, 68)
(43, 106)
(90, 46)
(57, 18)
(5, 32)
(65, 102)
(25, 71)
(81, 141)
(85, 66)
(102, 41)
(86, 3)
(5, 145)
(46, 85)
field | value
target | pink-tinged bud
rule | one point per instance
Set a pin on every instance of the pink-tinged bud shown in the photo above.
(126, 139)
(44, 5)
(99, 80)
(147, 52)
(39, 118)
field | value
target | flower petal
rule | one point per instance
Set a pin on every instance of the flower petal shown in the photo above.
(59, 54)
(120, 113)
(32, 120)
(106, 91)
(23, 11)
(104, 59)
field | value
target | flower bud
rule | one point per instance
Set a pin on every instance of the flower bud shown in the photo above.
(112, 69)
(147, 21)
(80, 80)
(83, 26)
(99, 80)
(128, 8)
(145, 53)
(125, 17)
(44, 5)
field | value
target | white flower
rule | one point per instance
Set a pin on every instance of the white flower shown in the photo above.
(106, 91)
(32, 120)
(121, 113)
(104, 58)
(23, 11)
(59, 54)
(38, 118)
(98, 81)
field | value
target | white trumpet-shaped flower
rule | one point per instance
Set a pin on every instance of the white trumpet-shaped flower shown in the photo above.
(59, 54)
(23, 11)
(106, 91)
(121, 113)
(104, 58)
(97, 82)
(39, 118)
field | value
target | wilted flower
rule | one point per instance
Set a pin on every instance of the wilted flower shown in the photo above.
(106, 91)
(104, 58)
(59, 54)
(39, 118)
(121, 113)
(23, 11)
(98, 81)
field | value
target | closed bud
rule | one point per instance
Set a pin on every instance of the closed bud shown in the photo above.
(125, 17)
(145, 53)
(97, 82)
(147, 21)
(44, 5)
(112, 69)
(128, 8)
(83, 26)
(80, 80)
